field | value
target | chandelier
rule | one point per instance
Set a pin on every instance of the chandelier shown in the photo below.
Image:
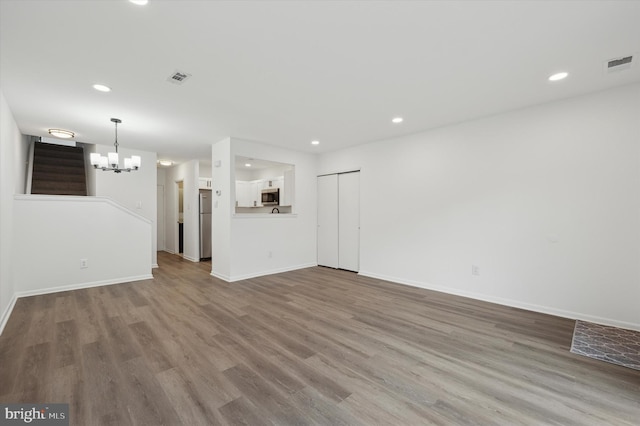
(111, 161)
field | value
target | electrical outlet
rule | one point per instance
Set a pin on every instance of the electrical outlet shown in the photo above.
(84, 264)
(475, 270)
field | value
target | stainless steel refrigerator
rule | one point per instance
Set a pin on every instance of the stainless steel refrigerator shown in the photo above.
(205, 224)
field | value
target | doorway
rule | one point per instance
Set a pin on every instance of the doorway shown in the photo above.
(180, 216)
(160, 222)
(339, 221)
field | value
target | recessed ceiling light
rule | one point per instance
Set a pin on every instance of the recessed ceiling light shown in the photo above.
(315, 142)
(59, 133)
(165, 162)
(247, 164)
(139, 2)
(397, 120)
(558, 76)
(101, 88)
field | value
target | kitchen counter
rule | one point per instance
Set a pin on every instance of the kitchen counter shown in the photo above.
(264, 215)
(263, 210)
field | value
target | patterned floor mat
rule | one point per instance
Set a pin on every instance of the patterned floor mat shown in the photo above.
(610, 344)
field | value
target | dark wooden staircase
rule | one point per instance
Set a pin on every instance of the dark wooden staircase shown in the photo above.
(58, 170)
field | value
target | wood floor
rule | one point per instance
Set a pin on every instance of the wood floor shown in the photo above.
(315, 346)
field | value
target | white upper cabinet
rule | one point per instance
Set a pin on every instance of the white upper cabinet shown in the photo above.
(256, 193)
(204, 183)
(287, 189)
(249, 193)
(244, 196)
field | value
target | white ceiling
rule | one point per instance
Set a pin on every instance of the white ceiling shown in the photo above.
(285, 73)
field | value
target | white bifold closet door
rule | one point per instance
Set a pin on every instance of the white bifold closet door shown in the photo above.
(328, 221)
(339, 221)
(349, 221)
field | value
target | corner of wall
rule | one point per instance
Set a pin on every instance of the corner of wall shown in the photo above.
(6, 313)
(10, 140)
(221, 172)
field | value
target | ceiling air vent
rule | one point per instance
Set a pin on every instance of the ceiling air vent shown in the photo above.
(178, 77)
(618, 64)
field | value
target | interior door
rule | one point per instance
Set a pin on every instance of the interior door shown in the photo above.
(328, 221)
(349, 221)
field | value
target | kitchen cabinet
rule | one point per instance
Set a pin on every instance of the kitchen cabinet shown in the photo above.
(256, 193)
(243, 198)
(204, 183)
(249, 193)
(275, 182)
(287, 189)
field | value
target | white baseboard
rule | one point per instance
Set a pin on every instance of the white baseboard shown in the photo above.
(193, 259)
(507, 302)
(235, 278)
(220, 276)
(83, 285)
(155, 265)
(169, 251)
(7, 313)
(270, 272)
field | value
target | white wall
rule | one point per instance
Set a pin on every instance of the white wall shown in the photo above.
(257, 174)
(89, 171)
(161, 210)
(188, 173)
(262, 244)
(115, 242)
(13, 157)
(136, 191)
(21, 163)
(545, 200)
(204, 169)
(244, 174)
(221, 209)
(9, 139)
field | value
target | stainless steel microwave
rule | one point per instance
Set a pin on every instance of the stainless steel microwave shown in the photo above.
(271, 197)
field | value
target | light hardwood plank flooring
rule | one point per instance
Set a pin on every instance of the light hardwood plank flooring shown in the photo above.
(314, 346)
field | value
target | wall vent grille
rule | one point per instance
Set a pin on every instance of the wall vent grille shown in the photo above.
(178, 77)
(619, 64)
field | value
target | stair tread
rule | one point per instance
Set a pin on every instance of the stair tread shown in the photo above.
(58, 170)
(64, 161)
(59, 192)
(76, 173)
(53, 147)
